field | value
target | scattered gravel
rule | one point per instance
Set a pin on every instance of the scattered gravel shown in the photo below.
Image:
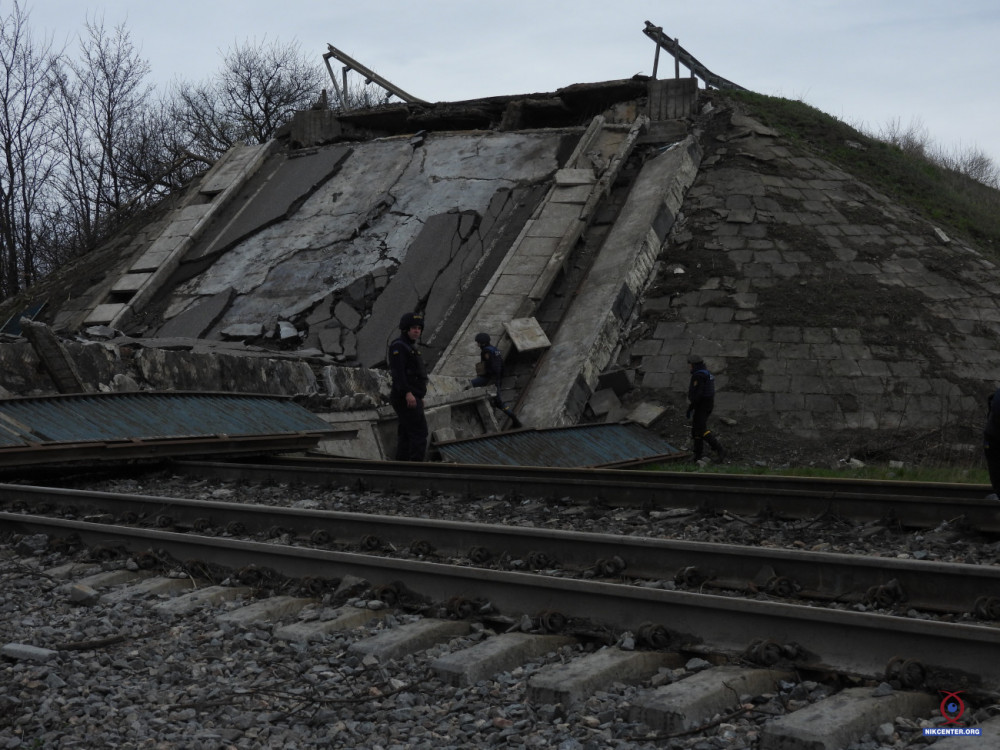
(118, 675)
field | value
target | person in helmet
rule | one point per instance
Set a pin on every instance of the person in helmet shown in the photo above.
(409, 386)
(490, 370)
(701, 401)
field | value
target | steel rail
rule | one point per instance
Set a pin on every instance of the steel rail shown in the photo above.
(786, 574)
(911, 504)
(856, 642)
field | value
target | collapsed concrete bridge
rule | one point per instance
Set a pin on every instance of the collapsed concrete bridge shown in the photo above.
(600, 234)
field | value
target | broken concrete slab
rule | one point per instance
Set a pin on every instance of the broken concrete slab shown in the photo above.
(620, 380)
(603, 402)
(526, 335)
(198, 318)
(272, 194)
(645, 413)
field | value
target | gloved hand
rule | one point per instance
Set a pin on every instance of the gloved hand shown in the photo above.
(690, 412)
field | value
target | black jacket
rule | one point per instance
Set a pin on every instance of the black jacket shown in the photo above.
(409, 375)
(702, 387)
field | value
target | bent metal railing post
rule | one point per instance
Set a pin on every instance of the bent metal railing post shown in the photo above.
(370, 77)
(681, 55)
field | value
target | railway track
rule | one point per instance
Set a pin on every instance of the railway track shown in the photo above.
(775, 616)
(910, 504)
(549, 580)
(794, 575)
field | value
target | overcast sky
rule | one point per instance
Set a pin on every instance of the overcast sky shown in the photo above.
(931, 65)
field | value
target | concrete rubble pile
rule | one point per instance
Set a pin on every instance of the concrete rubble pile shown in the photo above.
(599, 234)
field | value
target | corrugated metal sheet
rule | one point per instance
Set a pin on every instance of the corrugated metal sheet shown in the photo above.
(144, 417)
(580, 446)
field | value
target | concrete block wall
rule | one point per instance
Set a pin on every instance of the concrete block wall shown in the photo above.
(820, 304)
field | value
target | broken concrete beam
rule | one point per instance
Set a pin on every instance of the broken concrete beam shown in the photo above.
(55, 358)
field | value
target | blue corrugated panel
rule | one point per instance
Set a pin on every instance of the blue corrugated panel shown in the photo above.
(580, 446)
(149, 416)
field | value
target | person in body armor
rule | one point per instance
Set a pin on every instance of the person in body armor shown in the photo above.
(409, 386)
(991, 442)
(490, 370)
(701, 401)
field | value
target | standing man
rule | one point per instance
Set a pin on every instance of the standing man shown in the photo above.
(991, 442)
(409, 386)
(701, 401)
(490, 370)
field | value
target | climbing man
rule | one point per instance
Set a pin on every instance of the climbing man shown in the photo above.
(490, 370)
(701, 400)
(409, 386)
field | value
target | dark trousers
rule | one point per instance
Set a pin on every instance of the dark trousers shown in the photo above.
(991, 449)
(700, 433)
(411, 432)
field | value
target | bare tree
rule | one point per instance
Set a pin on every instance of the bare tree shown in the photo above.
(103, 100)
(260, 86)
(26, 101)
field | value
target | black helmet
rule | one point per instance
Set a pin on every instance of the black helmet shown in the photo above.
(694, 359)
(483, 339)
(411, 319)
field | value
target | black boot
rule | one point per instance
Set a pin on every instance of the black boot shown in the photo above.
(717, 447)
(698, 449)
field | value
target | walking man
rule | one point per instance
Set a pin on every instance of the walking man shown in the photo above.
(409, 386)
(701, 401)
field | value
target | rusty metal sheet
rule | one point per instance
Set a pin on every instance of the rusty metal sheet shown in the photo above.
(83, 425)
(588, 445)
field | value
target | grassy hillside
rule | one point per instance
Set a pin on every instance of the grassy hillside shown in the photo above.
(959, 205)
